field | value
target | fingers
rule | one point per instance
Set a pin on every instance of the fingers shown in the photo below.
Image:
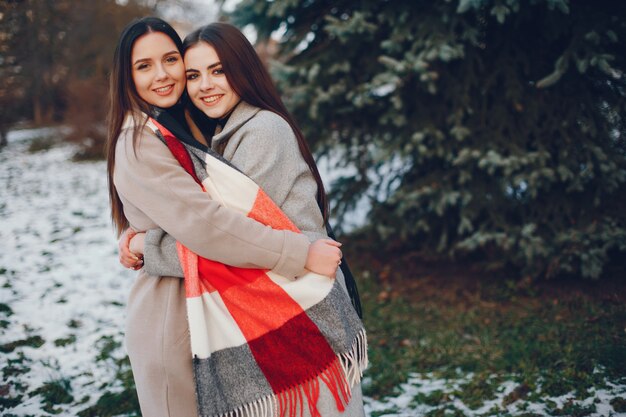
(126, 257)
(337, 256)
(138, 265)
(324, 257)
(331, 242)
(336, 244)
(128, 235)
(131, 262)
(125, 239)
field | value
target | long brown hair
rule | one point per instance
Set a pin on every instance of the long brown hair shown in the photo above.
(125, 101)
(249, 78)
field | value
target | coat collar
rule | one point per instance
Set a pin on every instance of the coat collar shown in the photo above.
(240, 115)
(138, 119)
(133, 119)
(167, 119)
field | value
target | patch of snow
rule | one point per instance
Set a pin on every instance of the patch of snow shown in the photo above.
(60, 255)
(407, 404)
(29, 134)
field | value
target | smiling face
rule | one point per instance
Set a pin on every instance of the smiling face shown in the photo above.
(158, 70)
(207, 85)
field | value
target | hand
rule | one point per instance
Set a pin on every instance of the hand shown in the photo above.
(127, 258)
(324, 257)
(137, 244)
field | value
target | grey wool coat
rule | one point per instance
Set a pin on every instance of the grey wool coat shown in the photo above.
(157, 193)
(261, 144)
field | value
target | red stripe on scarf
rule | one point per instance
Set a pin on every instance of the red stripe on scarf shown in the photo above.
(265, 211)
(293, 353)
(178, 150)
(280, 334)
(240, 288)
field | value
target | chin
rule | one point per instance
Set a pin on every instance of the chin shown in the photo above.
(165, 103)
(214, 115)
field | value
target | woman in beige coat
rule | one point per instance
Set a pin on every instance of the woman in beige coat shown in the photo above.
(255, 133)
(149, 189)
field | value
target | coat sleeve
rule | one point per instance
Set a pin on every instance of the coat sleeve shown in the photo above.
(151, 181)
(160, 256)
(267, 151)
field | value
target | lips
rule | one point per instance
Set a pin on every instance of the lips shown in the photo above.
(165, 90)
(211, 100)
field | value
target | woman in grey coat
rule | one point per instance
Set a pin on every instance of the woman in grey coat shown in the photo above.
(228, 83)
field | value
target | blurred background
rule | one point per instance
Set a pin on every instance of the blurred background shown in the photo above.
(475, 156)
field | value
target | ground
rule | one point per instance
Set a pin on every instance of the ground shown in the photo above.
(444, 341)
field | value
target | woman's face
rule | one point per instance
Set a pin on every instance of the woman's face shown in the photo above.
(158, 69)
(207, 85)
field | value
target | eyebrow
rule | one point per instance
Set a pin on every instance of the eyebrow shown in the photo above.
(150, 59)
(217, 64)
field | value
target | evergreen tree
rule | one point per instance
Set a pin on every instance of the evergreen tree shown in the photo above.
(491, 128)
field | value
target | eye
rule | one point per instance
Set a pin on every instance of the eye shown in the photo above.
(218, 71)
(171, 59)
(191, 76)
(142, 66)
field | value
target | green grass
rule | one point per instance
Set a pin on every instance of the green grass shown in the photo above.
(32, 341)
(5, 309)
(434, 398)
(383, 412)
(619, 405)
(114, 404)
(448, 411)
(550, 338)
(41, 144)
(74, 324)
(118, 400)
(64, 341)
(479, 389)
(54, 393)
(573, 410)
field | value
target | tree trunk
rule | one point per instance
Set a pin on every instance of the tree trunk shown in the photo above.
(3, 137)
(37, 113)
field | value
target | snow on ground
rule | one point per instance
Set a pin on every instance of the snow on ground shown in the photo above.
(60, 277)
(60, 274)
(413, 396)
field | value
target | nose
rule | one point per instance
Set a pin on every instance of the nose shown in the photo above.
(206, 83)
(161, 73)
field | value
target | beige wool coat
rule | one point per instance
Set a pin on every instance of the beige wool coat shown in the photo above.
(157, 193)
(262, 145)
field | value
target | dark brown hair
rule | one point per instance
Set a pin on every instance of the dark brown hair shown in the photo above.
(249, 78)
(125, 101)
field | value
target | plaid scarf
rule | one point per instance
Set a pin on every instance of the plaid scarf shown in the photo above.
(261, 343)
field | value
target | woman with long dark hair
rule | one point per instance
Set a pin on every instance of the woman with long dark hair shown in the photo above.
(149, 189)
(254, 131)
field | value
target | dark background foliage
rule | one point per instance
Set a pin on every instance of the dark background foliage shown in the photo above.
(483, 131)
(479, 130)
(56, 57)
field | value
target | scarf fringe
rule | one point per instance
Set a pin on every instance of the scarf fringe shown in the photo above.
(340, 376)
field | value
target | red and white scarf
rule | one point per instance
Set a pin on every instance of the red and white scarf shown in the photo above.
(261, 343)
